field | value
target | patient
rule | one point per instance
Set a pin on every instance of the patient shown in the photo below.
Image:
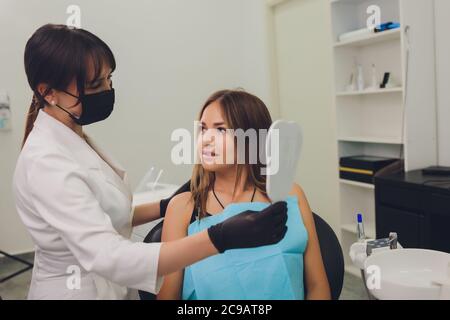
(220, 189)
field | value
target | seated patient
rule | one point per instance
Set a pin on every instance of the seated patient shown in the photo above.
(221, 188)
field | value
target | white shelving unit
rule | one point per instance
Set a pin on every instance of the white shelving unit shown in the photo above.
(382, 122)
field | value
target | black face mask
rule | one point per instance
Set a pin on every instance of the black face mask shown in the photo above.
(95, 107)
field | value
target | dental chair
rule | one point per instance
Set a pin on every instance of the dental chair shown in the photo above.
(331, 251)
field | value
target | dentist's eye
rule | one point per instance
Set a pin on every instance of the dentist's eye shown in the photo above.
(222, 130)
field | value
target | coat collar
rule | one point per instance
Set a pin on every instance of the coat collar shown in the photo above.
(86, 151)
(66, 138)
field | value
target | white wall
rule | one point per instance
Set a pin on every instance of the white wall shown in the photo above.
(171, 55)
(442, 9)
(304, 63)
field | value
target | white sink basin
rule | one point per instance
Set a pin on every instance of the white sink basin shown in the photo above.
(408, 274)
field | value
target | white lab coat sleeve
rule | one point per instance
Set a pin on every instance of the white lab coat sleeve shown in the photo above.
(62, 196)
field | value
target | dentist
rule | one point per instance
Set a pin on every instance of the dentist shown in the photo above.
(74, 198)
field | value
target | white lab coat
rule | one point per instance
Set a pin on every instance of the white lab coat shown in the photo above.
(76, 203)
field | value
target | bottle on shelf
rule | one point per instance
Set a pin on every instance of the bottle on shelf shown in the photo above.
(360, 228)
(360, 80)
(375, 85)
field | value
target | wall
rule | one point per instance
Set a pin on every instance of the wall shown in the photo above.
(304, 63)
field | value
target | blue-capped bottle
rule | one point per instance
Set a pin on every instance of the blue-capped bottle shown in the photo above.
(360, 228)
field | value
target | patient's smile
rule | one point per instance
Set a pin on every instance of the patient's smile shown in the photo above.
(208, 155)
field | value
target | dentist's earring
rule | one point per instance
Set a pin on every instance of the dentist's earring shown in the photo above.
(53, 102)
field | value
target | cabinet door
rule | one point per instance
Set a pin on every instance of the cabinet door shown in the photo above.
(407, 199)
(406, 224)
(439, 208)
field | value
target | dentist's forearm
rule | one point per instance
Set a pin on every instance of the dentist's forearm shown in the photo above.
(178, 254)
(145, 213)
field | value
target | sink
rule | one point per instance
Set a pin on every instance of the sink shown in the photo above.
(408, 274)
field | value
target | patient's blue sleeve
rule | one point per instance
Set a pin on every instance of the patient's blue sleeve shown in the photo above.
(265, 273)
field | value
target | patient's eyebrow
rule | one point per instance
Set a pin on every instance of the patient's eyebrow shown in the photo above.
(215, 124)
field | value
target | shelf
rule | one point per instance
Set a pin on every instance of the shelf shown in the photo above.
(369, 92)
(370, 233)
(370, 39)
(362, 139)
(357, 184)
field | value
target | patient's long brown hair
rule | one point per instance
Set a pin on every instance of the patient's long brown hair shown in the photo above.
(241, 110)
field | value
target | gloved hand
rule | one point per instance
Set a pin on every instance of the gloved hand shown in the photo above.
(251, 229)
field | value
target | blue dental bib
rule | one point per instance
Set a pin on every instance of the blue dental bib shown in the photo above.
(266, 273)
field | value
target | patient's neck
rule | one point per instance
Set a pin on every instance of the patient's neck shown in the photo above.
(225, 181)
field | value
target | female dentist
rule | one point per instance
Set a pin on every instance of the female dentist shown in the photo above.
(74, 198)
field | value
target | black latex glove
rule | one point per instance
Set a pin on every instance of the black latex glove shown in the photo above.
(165, 202)
(251, 229)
